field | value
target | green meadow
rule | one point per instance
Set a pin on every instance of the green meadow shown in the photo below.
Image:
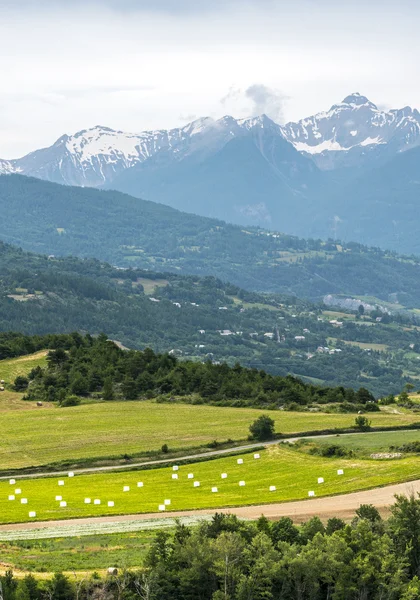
(40, 437)
(293, 474)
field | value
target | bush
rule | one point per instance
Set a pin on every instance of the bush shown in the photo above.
(165, 448)
(21, 383)
(70, 401)
(262, 428)
(362, 423)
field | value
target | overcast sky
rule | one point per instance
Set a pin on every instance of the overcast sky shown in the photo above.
(137, 64)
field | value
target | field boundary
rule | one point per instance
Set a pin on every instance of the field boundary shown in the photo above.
(44, 472)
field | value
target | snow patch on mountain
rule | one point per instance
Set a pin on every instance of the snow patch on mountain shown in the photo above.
(352, 128)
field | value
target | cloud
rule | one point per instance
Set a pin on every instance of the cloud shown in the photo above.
(267, 101)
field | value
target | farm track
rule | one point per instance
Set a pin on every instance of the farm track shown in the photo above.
(342, 506)
(178, 459)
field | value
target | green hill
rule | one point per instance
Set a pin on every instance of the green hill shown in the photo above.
(205, 319)
(53, 219)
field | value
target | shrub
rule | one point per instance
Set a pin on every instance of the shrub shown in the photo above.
(21, 383)
(362, 423)
(165, 448)
(70, 401)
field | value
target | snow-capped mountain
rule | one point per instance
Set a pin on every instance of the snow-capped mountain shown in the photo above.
(94, 157)
(351, 131)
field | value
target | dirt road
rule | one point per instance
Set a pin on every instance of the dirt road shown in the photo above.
(342, 506)
(179, 459)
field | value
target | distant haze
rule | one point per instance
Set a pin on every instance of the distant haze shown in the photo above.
(137, 65)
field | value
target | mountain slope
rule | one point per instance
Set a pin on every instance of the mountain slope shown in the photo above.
(125, 231)
(204, 319)
(381, 207)
(254, 179)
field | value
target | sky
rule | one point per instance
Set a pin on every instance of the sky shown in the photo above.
(135, 65)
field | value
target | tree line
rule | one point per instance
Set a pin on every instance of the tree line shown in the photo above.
(230, 559)
(79, 366)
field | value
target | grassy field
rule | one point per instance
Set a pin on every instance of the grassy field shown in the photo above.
(375, 441)
(11, 368)
(293, 473)
(87, 553)
(49, 435)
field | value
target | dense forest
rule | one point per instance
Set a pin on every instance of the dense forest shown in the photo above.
(128, 232)
(229, 559)
(84, 366)
(205, 319)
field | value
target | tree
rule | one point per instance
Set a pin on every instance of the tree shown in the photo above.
(368, 512)
(334, 524)
(59, 588)
(129, 388)
(108, 389)
(363, 396)
(21, 383)
(262, 428)
(361, 309)
(79, 385)
(22, 591)
(284, 530)
(405, 530)
(362, 423)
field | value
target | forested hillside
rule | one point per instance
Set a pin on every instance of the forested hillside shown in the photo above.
(84, 366)
(125, 231)
(204, 319)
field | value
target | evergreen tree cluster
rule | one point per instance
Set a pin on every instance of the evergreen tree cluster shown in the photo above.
(80, 366)
(230, 559)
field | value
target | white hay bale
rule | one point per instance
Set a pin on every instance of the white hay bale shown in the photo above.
(311, 494)
(139, 484)
(175, 468)
(190, 475)
(214, 490)
(240, 461)
(174, 476)
(320, 480)
(223, 475)
(126, 488)
(272, 488)
(12, 497)
(24, 501)
(242, 483)
(196, 484)
(63, 504)
(88, 501)
(32, 514)
(59, 498)
(12, 481)
(111, 503)
(257, 456)
(71, 474)
(340, 472)
(18, 491)
(162, 507)
(97, 502)
(167, 503)
(61, 482)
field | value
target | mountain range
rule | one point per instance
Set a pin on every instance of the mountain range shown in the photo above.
(326, 175)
